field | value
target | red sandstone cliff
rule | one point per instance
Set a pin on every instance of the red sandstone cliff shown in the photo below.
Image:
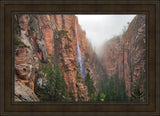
(126, 54)
(50, 36)
(53, 36)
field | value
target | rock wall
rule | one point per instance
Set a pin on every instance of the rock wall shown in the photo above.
(110, 54)
(24, 93)
(45, 37)
(126, 55)
(26, 61)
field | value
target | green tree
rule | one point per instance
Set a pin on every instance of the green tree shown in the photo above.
(113, 89)
(60, 85)
(55, 87)
(138, 94)
(49, 88)
(89, 83)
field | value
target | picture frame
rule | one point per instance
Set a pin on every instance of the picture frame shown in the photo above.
(150, 8)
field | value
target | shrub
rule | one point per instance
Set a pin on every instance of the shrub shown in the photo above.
(61, 31)
(33, 29)
(16, 27)
(18, 43)
(66, 46)
(101, 97)
(24, 69)
(138, 95)
(93, 97)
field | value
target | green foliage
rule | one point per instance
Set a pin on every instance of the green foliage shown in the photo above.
(87, 55)
(31, 23)
(66, 46)
(61, 32)
(101, 97)
(55, 87)
(69, 40)
(79, 78)
(24, 69)
(16, 28)
(60, 85)
(33, 16)
(18, 43)
(79, 98)
(93, 97)
(138, 94)
(113, 89)
(89, 83)
(33, 29)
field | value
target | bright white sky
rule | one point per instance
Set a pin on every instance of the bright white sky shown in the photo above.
(100, 28)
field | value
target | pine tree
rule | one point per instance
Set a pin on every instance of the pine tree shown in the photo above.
(89, 83)
(114, 89)
(59, 84)
(55, 87)
(138, 94)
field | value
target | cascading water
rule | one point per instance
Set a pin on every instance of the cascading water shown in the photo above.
(79, 58)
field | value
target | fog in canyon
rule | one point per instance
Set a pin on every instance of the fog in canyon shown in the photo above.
(103, 27)
(56, 58)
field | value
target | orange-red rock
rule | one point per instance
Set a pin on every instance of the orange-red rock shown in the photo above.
(127, 55)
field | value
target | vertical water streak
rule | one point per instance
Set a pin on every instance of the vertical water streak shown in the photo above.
(79, 58)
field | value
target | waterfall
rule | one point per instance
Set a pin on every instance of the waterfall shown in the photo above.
(79, 58)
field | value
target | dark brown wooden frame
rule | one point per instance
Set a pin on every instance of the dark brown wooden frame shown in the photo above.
(149, 8)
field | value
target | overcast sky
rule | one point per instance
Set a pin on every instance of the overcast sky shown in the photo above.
(100, 28)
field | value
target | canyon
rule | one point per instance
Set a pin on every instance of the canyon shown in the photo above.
(59, 39)
(126, 55)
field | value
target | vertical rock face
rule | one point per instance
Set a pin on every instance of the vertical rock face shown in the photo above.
(26, 66)
(52, 39)
(128, 53)
(46, 27)
(50, 36)
(109, 56)
(24, 93)
(134, 54)
(26, 62)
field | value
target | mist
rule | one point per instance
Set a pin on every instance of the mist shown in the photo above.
(100, 28)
